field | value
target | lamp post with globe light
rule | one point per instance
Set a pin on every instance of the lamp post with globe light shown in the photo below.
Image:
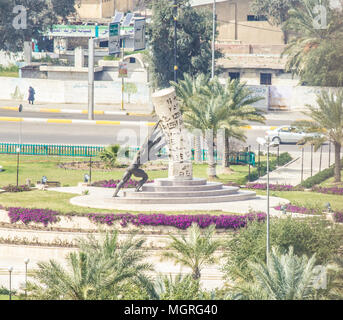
(267, 143)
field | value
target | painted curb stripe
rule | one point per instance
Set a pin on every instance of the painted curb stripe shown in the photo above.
(50, 110)
(11, 119)
(117, 123)
(59, 121)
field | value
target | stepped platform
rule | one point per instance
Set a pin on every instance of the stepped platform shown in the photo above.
(168, 191)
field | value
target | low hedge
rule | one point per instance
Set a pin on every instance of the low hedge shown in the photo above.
(284, 158)
(320, 177)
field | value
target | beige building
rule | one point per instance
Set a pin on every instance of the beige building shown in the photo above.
(100, 9)
(238, 24)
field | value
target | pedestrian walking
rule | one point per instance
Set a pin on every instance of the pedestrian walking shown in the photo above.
(31, 95)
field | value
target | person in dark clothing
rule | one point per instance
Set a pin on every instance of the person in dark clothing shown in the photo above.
(31, 95)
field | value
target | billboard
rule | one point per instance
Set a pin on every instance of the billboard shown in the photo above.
(123, 66)
(139, 34)
(113, 38)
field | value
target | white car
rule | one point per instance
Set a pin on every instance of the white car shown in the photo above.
(288, 134)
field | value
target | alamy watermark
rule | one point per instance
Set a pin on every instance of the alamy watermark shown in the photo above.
(321, 13)
(319, 280)
(20, 20)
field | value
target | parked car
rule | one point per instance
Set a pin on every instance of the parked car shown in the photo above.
(288, 134)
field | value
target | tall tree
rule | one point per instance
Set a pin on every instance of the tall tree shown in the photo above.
(194, 33)
(315, 51)
(23, 20)
(276, 12)
(209, 105)
(327, 119)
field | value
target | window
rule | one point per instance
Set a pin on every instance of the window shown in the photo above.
(132, 60)
(234, 75)
(251, 17)
(266, 79)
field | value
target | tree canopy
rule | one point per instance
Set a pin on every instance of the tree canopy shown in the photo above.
(23, 20)
(194, 33)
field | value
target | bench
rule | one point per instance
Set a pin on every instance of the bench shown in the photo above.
(49, 184)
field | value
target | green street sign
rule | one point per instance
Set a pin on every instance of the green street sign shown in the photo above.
(113, 29)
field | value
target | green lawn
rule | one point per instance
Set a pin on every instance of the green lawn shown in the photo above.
(330, 182)
(34, 167)
(9, 74)
(6, 297)
(309, 199)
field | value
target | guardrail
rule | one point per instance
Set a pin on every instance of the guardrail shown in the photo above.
(93, 151)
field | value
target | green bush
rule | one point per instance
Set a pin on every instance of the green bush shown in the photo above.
(284, 158)
(320, 177)
(309, 236)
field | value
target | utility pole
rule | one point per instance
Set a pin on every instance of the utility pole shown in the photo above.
(213, 37)
(91, 79)
(175, 41)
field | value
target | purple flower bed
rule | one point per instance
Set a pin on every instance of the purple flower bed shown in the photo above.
(113, 183)
(32, 215)
(11, 188)
(338, 217)
(332, 190)
(273, 187)
(297, 209)
(179, 221)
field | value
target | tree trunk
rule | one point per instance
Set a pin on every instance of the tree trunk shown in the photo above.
(337, 162)
(212, 173)
(197, 148)
(227, 150)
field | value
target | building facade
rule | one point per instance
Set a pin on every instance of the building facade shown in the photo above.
(101, 9)
(237, 23)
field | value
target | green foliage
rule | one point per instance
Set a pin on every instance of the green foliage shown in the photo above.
(315, 52)
(41, 15)
(327, 119)
(97, 272)
(194, 32)
(284, 158)
(319, 177)
(308, 237)
(195, 251)
(285, 277)
(178, 288)
(109, 155)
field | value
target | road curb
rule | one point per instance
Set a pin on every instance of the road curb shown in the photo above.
(74, 111)
(100, 122)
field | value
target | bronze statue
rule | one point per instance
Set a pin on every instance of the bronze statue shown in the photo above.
(148, 151)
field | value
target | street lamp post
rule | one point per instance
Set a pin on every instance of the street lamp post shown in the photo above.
(268, 144)
(10, 269)
(175, 41)
(27, 260)
(213, 38)
(20, 109)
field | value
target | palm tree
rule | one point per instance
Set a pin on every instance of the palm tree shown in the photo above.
(95, 272)
(208, 106)
(327, 119)
(286, 277)
(109, 155)
(195, 251)
(180, 287)
(314, 51)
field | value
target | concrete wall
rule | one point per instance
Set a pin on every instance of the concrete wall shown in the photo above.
(248, 32)
(56, 91)
(7, 59)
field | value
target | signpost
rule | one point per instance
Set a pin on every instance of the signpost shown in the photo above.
(114, 38)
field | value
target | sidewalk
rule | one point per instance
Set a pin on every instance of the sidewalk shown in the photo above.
(291, 173)
(129, 109)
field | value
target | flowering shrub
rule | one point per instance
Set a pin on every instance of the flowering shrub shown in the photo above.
(298, 209)
(32, 215)
(338, 217)
(179, 221)
(273, 187)
(113, 183)
(11, 188)
(332, 190)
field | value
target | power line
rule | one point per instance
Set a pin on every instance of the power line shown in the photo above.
(244, 25)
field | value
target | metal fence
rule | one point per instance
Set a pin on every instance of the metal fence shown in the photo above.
(91, 151)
